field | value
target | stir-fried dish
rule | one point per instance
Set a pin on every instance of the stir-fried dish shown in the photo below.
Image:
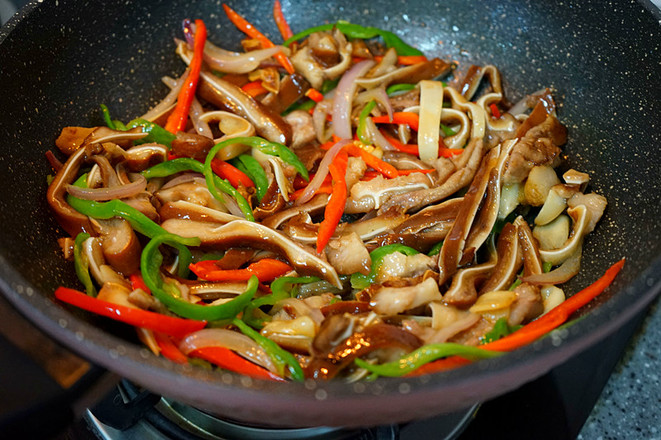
(336, 206)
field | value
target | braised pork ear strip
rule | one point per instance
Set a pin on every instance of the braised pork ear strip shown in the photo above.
(336, 206)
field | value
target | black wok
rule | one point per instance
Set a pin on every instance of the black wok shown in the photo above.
(59, 60)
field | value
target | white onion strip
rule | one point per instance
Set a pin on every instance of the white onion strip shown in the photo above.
(431, 106)
(344, 92)
(104, 194)
(322, 171)
(235, 341)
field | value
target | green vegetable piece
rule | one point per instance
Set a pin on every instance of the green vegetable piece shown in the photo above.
(329, 85)
(174, 166)
(282, 288)
(500, 330)
(168, 293)
(106, 117)
(256, 172)
(360, 281)
(362, 121)
(281, 358)
(424, 355)
(447, 131)
(81, 263)
(156, 133)
(436, 249)
(547, 266)
(396, 88)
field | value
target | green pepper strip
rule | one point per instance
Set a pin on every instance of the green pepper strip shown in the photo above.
(156, 134)
(117, 208)
(280, 357)
(436, 249)
(282, 288)
(266, 147)
(256, 173)
(362, 120)
(174, 166)
(106, 117)
(168, 293)
(500, 329)
(424, 355)
(447, 131)
(396, 88)
(357, 31)
(360, 281)
(81, 263)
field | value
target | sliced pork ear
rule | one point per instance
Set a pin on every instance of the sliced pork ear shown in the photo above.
(430, 69)
(488, 214)
(292, 88)
(454, 244)
(532, 262)
(341, 352)
(120, 245)
(71, 220)
(509, 261)
(456, 179)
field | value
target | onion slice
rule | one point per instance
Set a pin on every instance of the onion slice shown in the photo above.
(322, 171)
(344, 92)
(238, 342)
(104, 194)
(431, 106)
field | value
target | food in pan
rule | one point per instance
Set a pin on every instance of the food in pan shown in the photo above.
(337, 206)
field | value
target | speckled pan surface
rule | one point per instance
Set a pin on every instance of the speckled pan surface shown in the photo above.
(60, 59)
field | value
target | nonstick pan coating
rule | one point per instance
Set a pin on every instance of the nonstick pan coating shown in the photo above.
(60, 59)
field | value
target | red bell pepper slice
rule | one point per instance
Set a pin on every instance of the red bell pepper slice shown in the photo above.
(227, 359)
(176, 327)
(409, 118)
(336, 202)
(281, 22)
(168, 348)
(266, 269)
(234, 175)
(254, 88)
(177, 120)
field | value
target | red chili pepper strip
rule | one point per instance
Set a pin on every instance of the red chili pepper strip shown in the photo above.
(138, 283)
(539, 327)
(494, 111)
(247, 28)
(177, 120)
(409, 118)
(266, 269)
(314, 95)
(281, 21)
(254, 88)
(168, 349)
(372, 161)
(227, 359)
(336, 202)
(234, 175)
(177, 327)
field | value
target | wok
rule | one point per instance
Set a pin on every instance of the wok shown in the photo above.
(60, 60)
